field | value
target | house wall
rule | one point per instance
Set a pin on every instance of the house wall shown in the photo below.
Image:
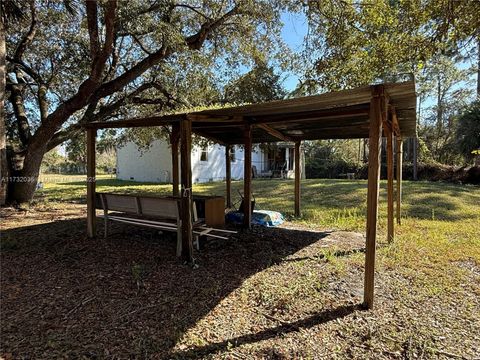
(155, 164)
(151, 165)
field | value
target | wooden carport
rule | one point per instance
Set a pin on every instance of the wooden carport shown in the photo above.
(371, 112)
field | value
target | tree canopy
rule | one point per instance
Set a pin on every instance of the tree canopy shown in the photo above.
(352, 43)
(468, 131)
(69, 63)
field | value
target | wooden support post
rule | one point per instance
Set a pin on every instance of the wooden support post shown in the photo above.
(174, 139)
(91, 215)
(247, 177)
(415, 159)
(390, 207)
(298, 176)
(399, 178)
(374, 143)
(228, 175)
(186, 193)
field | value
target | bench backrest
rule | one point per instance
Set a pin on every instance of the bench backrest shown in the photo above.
(166, 208)
(121, 203)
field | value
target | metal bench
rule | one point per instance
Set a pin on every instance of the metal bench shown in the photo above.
(162, 213)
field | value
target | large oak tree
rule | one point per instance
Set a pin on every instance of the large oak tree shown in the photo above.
(69, 63)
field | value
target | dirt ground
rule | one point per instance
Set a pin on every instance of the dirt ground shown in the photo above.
(266, 293)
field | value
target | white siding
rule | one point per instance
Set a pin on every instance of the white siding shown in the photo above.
(155, 164)
(152, 165)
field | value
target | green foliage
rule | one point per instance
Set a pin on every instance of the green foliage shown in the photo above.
(261, 84)
(332, 158)
(53, 161)
(468, 130)
(448, 85)
(358, 42)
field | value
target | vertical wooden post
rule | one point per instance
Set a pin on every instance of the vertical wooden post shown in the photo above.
(374, 144)
(399, 178)
(298, 176)
(390, 209)
(415, 159)
(91, 216)
(186, 193)
(174, 139)
(228, 175)
(247, 177)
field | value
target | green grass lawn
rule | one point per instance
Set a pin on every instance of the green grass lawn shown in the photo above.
(434, 215)
(439, 220)
(326, 203)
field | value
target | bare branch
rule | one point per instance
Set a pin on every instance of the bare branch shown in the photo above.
(26, 68)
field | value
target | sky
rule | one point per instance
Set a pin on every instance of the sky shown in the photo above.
(293, 33)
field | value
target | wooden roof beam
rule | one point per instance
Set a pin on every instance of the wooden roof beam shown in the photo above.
(201, 118)
(209, 137)
(311, 115)
(275, 133)
(135, 122)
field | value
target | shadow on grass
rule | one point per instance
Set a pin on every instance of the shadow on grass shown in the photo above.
(285, 328)
(64, 295)
(429, 206)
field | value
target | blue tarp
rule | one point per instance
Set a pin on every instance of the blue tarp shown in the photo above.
(259, 217)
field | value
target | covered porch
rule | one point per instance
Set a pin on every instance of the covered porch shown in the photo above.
(367, 112)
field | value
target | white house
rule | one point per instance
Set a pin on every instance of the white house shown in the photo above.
(208, 163)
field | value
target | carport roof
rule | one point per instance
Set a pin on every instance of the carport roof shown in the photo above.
(335, 115)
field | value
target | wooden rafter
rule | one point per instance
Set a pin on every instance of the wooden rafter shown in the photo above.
(275, 133)
(311, 115)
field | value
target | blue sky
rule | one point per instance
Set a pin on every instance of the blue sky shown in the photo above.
(293, 33)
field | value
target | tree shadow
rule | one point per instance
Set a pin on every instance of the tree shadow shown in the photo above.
(66, 295)
(435, 207)
(285, 328)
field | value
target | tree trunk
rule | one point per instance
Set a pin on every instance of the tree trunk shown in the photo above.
(478, 66)
(25, 170)
(3, 140)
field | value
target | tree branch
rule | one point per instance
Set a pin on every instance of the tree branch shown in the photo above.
(194, 9)
(29, 36)
(89, 91)
(137, 40)
(92, 23)
(17, 101)
(26, 68)
(194, 42)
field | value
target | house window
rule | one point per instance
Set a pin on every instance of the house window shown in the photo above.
(204, 153)
(232, 154)
(291, 158)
